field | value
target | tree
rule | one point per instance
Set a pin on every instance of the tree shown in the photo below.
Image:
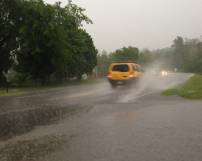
(126, 54)
(38, 40)
(104, 61)
(80, 50)
(7, 35)
(179, 53)
(52, 41)
(146, 57)
(84, 54)
(193, 59)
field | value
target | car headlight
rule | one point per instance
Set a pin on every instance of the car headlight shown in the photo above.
(164, 73)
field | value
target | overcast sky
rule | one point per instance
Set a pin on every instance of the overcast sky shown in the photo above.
(142, 23)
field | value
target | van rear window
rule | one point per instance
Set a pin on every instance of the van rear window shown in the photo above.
(120, 68)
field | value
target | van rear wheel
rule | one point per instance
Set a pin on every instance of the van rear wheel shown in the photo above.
(113, 85)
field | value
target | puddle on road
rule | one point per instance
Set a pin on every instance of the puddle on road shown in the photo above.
(19, 144)
(23, 121)
(31, 150)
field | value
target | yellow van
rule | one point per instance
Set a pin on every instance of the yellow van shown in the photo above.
(123, 73)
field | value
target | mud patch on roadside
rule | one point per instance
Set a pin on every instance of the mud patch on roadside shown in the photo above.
(20, 122)
(31, 150)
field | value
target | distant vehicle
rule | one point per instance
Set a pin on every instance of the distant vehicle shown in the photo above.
(165, 72)
(121, 73)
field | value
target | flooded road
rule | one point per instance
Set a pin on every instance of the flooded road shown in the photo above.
(123, 124)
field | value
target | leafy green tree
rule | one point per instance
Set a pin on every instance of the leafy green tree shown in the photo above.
(185, 55)
(88, 56)
(179, 53)
(84, 55)
(146, 57)
(38, 40)
(193, 59)
(104, 61)
(53, 43)
(126, 54)
(80, 52)
(7, 35)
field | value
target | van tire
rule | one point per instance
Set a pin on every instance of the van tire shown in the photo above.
(113, 85)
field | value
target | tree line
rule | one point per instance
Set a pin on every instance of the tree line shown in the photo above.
(104, 59)
(42, 42)
(184, 55)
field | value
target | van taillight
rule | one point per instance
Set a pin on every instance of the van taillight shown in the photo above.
(109, 75)
(132, 74)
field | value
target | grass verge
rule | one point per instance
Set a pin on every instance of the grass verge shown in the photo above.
(191, 89)
(31, 88)
(11, 92)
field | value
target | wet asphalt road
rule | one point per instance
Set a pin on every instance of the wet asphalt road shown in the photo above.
(125, 124)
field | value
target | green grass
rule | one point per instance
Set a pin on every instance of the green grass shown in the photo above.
(31, 88)
(11, 92)
(191, 89)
